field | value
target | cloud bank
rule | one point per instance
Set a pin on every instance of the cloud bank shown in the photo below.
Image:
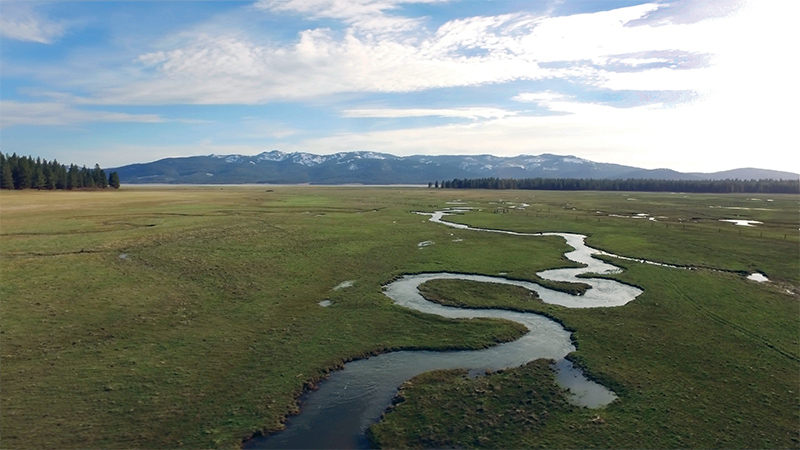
(595, 49)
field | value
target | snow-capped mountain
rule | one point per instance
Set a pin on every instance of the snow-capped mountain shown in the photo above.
(381, 168)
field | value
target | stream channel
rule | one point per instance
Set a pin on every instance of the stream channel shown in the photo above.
(338, 414)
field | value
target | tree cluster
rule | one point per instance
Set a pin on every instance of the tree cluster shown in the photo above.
(24, 172)
(641, 185)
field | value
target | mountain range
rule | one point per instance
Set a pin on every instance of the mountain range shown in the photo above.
(277, 167)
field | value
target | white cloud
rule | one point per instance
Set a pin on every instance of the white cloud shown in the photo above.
(746, 91)
(365, 15)
(592, 36)
(654, 136)
(220, 69)
(660, 79)
(19, 113)
(467, 113)
(688, 12)
(642, 61)
(19, 21)
(229, 69)
(234, 68)
(335, 9)
(537, 97)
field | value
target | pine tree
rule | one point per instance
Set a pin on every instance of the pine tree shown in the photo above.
(113, 180)
(22, 174)
(99, 176)
(73, 177)
(49, 177)
(6, 178)
(38, 181)
(60, 175)
(86, 180)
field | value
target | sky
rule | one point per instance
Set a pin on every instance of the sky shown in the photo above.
(690, 85)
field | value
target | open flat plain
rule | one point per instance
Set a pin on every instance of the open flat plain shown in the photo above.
(190, 316)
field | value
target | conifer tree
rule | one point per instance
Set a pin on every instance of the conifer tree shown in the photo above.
(22, 174)
(113, 180)
(6, 179)
(99, 176)
(73, 177)
(37, 179)
(49, 179)
(61, 176)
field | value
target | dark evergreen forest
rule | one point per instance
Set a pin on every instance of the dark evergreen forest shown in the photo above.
(24, 172)
(640, 185)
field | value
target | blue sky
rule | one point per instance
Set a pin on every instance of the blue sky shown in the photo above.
(687, 85)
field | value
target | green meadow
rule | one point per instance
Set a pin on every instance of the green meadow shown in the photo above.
(189, 317)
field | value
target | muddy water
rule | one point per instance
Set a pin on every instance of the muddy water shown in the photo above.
(339, 412)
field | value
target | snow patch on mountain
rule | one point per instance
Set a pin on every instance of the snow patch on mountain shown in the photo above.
(371, 167)
(373, 155)
(308, 159)
(471, 164)
(274, 155)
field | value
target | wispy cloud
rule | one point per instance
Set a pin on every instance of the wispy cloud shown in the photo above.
(683, 138)
(20, 113)
(598, 49)
(675, 12)
(473, 113)
(537, 97)
(22, 22)
(215, 69)
(230, 69)
(365, 15)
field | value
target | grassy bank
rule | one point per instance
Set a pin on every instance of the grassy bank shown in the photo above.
(189, 317)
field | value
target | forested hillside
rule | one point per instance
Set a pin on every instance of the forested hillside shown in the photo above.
(646, 185)
(24, 172)
(365, 167)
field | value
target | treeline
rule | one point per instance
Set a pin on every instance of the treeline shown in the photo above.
(642, 185)
(24, 172)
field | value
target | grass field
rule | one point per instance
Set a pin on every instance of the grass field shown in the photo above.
(189, 316)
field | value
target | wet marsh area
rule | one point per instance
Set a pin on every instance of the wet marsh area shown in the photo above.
(210, 327)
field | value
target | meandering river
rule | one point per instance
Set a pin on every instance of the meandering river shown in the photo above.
(345, 405)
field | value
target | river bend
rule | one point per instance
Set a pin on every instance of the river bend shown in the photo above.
(346, 404)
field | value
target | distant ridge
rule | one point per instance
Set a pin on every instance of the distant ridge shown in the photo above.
(748, 173)
(277, 167)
